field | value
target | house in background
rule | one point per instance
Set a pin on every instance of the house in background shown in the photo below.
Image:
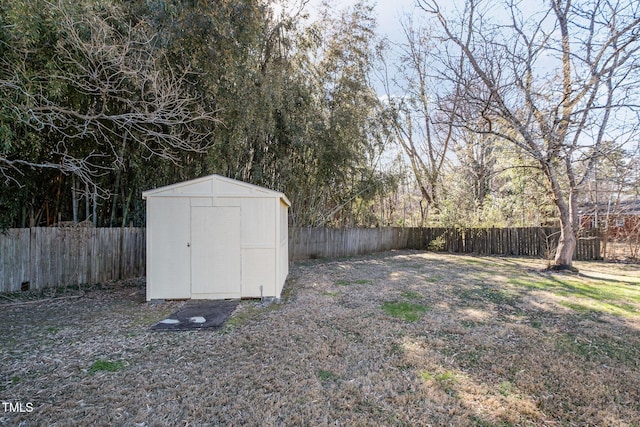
(620, 219)
(216, 238)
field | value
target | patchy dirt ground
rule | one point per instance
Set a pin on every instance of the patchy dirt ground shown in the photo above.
(398, 338)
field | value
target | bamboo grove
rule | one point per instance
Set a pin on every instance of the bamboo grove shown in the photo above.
(101, 100)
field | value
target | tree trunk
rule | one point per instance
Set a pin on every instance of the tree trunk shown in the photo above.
(95, 206)
(125, 208)
(74, 198)
(567, 243)
(116, 190)
(114, 202)
(87, 201)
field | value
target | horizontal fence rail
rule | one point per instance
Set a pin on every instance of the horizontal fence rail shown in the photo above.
(35, 258)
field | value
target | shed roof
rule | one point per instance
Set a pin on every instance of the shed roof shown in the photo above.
(173, 189)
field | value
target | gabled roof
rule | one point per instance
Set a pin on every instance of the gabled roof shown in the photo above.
(622, 207)
(204, 186)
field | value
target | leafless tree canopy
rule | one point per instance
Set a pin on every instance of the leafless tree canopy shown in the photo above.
(109, 88)
(556, 83)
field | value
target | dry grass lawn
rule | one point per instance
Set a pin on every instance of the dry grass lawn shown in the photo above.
(400, 338)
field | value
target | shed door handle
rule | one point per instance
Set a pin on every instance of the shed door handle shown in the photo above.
(188, 244)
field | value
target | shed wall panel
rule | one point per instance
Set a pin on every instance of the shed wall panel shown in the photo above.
(283, 253)
(201, 201)
(258, 268)
(204, 187)
(258, 223)
(225, 188)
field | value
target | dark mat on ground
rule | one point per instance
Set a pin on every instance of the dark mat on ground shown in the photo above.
(198, 315)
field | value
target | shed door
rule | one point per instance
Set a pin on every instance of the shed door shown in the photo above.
(215, 252)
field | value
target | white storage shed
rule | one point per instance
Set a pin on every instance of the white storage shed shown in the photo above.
(216, 238)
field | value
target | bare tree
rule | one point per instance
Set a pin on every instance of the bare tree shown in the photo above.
(556, 84)
(421, 117)
(112, 89)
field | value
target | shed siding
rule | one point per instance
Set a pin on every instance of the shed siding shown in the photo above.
(205, 187)
(283, 252)
(259, 268)
(225, 188)
(201, 201)
(258, 223)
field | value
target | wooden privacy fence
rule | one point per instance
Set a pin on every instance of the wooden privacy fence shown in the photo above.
(531, 241)
(520, 241)
(34, 258)
(318, 242)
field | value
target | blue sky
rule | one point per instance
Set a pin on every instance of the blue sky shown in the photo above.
(388, 13)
